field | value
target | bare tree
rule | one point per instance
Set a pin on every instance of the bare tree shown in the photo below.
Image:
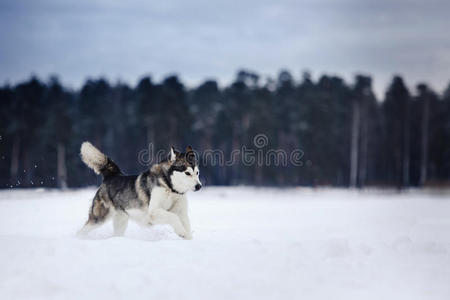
(61, 166)
(14, 170)
(406, 137)
(424, 94)
(356, 119)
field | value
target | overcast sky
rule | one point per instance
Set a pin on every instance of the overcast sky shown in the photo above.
(200, 40)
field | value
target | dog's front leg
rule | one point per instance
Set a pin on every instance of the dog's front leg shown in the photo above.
(181, 209)
(161, 216)
(187, 225)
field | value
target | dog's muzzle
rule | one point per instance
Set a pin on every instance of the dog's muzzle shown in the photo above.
(197, 187)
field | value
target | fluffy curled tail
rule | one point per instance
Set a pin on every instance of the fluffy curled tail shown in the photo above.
(97, 161)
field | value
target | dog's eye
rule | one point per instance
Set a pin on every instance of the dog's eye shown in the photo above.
(197, 172)
(187, 173)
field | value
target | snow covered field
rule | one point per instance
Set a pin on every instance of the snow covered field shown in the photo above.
(248, 244)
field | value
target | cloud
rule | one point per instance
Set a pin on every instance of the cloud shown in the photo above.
(204, 39)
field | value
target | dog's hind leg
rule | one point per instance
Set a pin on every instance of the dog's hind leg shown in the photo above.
(88, 227)
(100, 212)
(120, 223)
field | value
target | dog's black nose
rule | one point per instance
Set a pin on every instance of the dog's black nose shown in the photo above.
(198, 186)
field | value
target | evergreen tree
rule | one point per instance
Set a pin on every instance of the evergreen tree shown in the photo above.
(57, 129)
(397, 112)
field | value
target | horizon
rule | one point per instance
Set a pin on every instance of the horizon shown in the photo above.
(380, 95)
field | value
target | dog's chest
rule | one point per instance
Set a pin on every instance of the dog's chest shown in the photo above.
(166, 199)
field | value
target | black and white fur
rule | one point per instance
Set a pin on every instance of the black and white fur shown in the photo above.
(157, 196)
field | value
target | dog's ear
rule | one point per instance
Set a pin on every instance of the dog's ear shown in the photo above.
(190, 155)
(172, 154)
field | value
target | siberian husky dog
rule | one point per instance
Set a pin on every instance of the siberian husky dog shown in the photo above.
(157, 196)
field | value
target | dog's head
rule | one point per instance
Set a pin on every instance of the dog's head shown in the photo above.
(183, 170)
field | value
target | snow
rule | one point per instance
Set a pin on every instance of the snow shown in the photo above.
(249, 243)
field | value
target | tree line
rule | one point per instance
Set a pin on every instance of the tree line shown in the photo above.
(347, 137)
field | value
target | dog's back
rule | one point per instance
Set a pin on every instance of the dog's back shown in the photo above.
(117, 193)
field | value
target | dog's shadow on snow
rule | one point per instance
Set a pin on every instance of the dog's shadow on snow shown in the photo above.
(151, 234)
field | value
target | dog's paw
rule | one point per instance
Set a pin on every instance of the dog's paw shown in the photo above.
(188, 236)
(181, 232)
(185, 235)
(81, 233)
